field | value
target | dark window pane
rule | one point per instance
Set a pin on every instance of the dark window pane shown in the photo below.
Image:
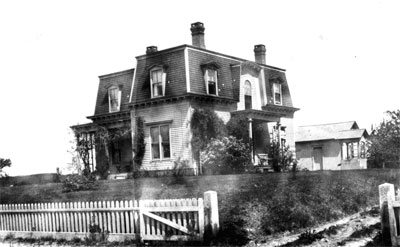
(165, 141)
(247, 102)
(277, 98)
(212, 89)
(154, 133)
(166, 150)
(155, 151)
(164, 133)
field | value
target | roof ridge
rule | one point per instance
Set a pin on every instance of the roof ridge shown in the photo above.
(327, 124)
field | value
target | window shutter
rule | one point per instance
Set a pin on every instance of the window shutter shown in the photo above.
(206, 80)
(119, 99)
(164, 81)
(216, 82)
(151, 84)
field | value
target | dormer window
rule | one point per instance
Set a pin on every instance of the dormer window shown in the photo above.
(157, 78)
(247, 96)
(277, 92)
(114, 99)
(211, 81)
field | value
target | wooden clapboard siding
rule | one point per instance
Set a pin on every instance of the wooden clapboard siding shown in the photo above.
(177, 115)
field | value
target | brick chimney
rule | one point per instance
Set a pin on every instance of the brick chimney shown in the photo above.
(151, 49)
(259, 53)
(198, 35)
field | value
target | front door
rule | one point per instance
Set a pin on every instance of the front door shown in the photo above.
(317, 158)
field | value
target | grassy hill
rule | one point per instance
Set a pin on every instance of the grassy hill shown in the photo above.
(251, 205)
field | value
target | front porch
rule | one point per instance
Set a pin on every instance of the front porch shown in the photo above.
(265, 126)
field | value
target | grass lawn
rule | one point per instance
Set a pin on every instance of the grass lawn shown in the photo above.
(251, 205)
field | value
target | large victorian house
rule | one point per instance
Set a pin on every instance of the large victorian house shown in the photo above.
(165, 88)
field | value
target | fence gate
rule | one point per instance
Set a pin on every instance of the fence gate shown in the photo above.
(177, 219)
(172, 219)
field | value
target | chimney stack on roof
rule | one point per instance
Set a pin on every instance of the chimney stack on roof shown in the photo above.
(259, 53)
(151, 49)
(198, 35)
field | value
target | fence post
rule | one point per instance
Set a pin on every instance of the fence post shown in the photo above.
(211, 216)
(386, 193)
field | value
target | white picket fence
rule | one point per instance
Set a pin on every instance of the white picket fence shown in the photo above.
(178, 219)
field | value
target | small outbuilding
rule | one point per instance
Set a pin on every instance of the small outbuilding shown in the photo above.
(334, 146)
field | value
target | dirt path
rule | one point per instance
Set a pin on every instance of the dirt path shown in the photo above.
(355, 230)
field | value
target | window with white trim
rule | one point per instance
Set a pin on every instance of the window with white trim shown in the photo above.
(160, 142)
(350, 150)
(277, 92)
(247, 95)
(210, 77)
(114, 99)
(157, 80)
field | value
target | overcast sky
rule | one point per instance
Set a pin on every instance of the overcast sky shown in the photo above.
(341, 57)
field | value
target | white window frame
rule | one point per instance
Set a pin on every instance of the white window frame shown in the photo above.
(249, 87)
(159, 142)
(163, 81)
(277, 87)
(206, 79)
(110, 108)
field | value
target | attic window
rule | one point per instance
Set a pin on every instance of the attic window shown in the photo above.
(211, 77)
(277, 92)
(211, 81)
(114, 99)
(157, 80)
(247, 95)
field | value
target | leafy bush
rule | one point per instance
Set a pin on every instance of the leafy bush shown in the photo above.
(205, 125)
(77, 182)
(237, 126)
(226, 155)
(281, 158)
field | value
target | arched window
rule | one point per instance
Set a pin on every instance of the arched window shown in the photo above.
(247, 95)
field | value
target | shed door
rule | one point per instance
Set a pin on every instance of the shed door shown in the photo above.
(317, 158)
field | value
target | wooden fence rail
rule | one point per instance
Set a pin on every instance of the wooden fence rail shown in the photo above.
(144, 219)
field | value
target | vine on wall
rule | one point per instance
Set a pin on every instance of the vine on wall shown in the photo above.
(139, 144)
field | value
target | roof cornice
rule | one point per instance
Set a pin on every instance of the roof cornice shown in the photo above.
(189, 96)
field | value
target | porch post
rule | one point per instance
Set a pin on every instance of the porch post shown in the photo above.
(251, 139)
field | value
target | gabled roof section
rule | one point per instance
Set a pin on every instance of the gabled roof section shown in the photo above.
(331, 131)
